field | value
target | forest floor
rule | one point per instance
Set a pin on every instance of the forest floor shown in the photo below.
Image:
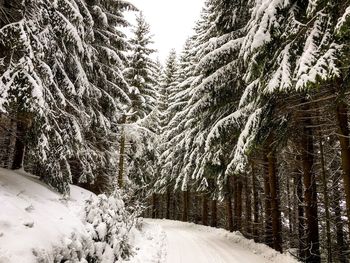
(188, 243)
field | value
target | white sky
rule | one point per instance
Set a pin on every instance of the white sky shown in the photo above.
(171, 21)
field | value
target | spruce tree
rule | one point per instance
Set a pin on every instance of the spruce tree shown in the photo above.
(142, 128)
(140, 71)
(62, 114)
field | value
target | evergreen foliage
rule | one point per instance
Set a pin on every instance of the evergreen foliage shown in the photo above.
(249, 107)
(62, 83)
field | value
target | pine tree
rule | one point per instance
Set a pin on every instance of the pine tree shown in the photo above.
(109, 45)
(140, 71)
(62, 111)
(143, 117)
(168, 83)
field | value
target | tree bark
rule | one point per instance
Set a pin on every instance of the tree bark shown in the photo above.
(289, 210)
(326, 202)
(301, 222)
(174, 215)
(256, 205)
(310, 194)
(167, 209)
(229, 213)
(248, 207)
(204, 209)
(121, 154)
(339, 224)
(214, 216)
(228, 205)
(268, 219)
(154, 205)
(238, 204)
(186, 200)
(343, 136)
(275, 203)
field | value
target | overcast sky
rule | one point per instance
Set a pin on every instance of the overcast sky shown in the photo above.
(171, 21)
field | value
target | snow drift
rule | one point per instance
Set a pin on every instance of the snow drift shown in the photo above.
(34, 218)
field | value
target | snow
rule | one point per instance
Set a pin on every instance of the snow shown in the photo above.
(187, 242)
(281, 79)
(149, 243)
(244, 142)
(315, 64)
(343, 19)
(308, 57)
(34, 218)
(264, 19)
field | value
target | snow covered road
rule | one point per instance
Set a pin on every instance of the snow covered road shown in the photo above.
(189, 243)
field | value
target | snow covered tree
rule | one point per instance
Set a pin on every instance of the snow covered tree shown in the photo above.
(141, 126)
(261, 69)
(58, 102)
(37, 92)
(110, 45)
(173, 135)
(167, 84)
(140, 71)
(109, 223)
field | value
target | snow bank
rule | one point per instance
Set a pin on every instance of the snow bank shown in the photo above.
(259, 249)
(34, 218)
(149, 244)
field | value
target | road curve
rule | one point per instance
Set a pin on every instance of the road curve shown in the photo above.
(187, 243)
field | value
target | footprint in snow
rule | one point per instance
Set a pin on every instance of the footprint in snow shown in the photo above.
(29, 224)
(29, 209)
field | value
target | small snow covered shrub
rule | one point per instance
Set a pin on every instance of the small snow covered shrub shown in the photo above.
(109, 223)
(75, 249)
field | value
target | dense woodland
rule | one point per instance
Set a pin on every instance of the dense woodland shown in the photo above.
(247, 128)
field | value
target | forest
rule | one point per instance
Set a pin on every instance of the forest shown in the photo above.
(246, 129)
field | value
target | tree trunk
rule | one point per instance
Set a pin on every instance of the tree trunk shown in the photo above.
(229, 214)
(204, 209)
(310, 195)
(267, 192)
(214, 216)
(275, 203)
(290, 217)
(343, 136)
(256, 205)
(196, 209)
(248, 207)
(121, 154)
(186, 200)
(238, 204)
(154, 205)
(301, 222)
(228, 205)
(174, 215)
(326, 203)
(339, 224)
(167, 209)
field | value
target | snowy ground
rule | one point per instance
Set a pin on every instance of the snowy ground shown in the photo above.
(149, 244)
(33, 218)
(188, 243)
